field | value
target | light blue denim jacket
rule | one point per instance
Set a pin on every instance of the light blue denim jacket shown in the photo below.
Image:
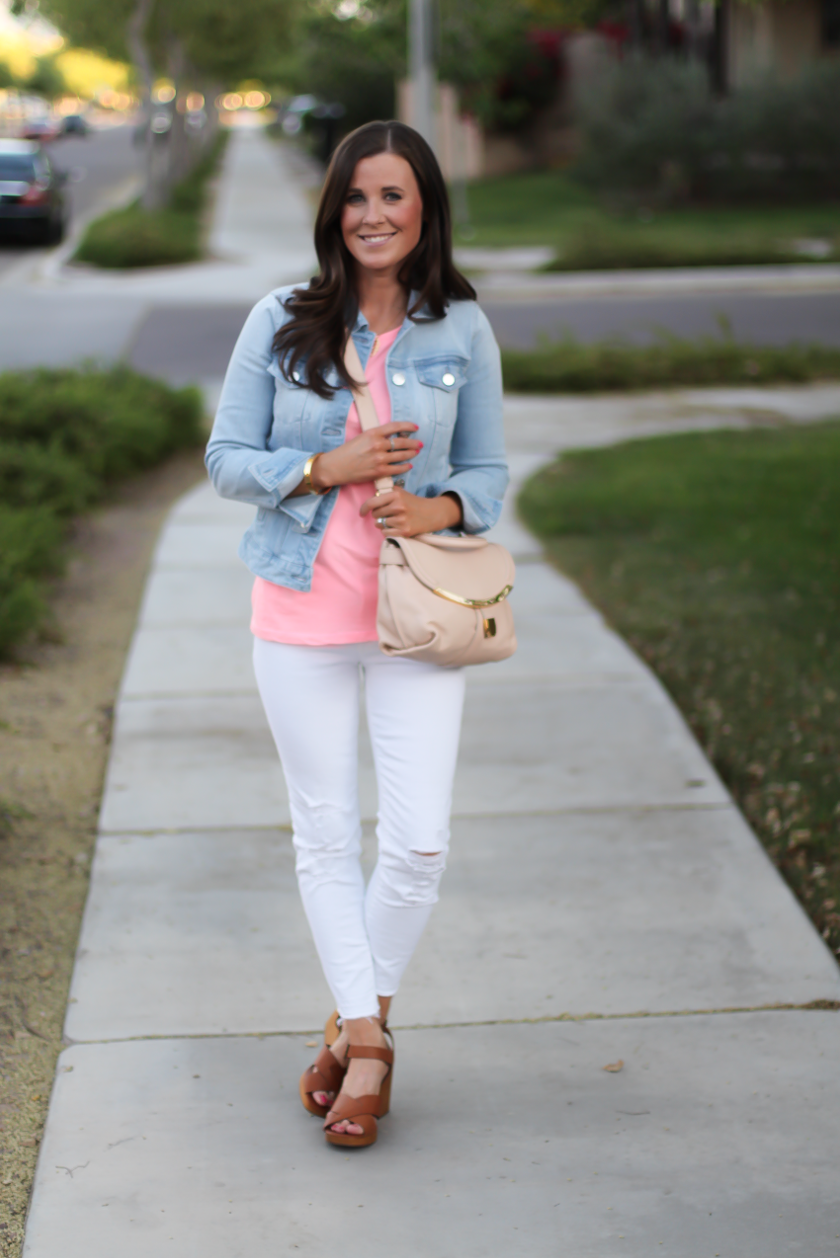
(443, 375)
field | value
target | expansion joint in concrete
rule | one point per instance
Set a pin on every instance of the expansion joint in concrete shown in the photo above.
(595, 810)
(822, 1006)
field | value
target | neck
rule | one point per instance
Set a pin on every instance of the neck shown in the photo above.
(382, 299)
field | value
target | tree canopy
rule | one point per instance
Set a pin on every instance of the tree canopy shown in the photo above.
(218, 41)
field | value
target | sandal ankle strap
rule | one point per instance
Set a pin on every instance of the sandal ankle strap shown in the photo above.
(363, 1050)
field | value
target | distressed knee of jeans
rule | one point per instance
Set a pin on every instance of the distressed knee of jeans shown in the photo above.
(425, 870)
(324, 847)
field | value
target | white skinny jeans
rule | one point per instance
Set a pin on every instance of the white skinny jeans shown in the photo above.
(364, 939)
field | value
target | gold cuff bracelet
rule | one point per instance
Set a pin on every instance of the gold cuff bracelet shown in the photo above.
(307, 475)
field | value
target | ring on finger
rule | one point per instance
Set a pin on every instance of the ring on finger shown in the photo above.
(381, 521)
(391, 442)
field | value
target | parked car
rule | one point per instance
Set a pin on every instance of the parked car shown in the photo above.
(43, 129)
(31, 192)
(74, 124)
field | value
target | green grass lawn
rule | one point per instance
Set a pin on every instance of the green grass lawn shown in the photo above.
(550, 208)
(717, 555)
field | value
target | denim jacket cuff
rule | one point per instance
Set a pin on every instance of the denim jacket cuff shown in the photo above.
(479, 512)
(279, 474)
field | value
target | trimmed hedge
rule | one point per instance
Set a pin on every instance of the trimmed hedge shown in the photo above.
(618, 248)
(604, 366)
(133, 237)
(66, 438)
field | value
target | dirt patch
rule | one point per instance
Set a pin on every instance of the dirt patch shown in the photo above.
(55, 725)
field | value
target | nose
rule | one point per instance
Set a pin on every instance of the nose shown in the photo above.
(373, 211)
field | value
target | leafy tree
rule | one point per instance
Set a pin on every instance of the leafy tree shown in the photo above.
(46, 79)
(199, 44)
(353, 50)
(348, 54)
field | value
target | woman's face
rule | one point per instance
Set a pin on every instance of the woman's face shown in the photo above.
(382, 219)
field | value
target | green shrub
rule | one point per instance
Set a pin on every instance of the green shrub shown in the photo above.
(603, 366)
(617, 247)
(113, 422)
(654, 130)
(134, 237)
(66, 438)
(31, 474)
(189, 196)
(30, 547)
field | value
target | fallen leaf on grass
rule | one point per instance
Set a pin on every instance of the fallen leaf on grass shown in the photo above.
(614, 1066)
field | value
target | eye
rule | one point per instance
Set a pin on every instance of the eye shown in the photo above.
(353, 198)
(393, 196)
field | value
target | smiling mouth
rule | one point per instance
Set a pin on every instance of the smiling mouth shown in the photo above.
(379, 239)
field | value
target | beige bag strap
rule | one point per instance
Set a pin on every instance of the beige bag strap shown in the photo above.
(368, 417)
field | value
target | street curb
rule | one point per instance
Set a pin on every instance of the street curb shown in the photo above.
(505, 286)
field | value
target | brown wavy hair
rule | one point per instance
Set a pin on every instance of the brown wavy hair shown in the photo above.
(315, 335)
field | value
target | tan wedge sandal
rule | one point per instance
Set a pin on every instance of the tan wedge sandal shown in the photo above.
(362, 1110)
(326, 1074)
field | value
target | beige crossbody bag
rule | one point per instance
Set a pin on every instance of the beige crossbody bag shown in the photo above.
(441, 599)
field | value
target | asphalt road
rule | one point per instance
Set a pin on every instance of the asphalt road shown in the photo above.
(184, 343)
(96, 163)
(764, 318)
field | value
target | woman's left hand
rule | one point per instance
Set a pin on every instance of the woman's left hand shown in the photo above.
(400, 514)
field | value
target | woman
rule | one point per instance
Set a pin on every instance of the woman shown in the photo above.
(288, 440)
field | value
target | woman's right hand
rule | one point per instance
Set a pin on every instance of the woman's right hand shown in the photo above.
(368, 457)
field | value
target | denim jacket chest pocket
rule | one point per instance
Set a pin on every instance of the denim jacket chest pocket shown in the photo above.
(440, 380)
(291, 407)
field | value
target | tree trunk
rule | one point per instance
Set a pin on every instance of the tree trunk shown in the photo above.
(211, 129)
(179, 157)
(692, 29)
(635, 22)
(153, 194)
(720, 68)
(663, 26)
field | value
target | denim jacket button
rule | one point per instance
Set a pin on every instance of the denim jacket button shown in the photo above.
(398, 378)
(296, 376)
(448, 378)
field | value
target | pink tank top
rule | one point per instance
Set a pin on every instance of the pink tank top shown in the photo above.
(341, 605)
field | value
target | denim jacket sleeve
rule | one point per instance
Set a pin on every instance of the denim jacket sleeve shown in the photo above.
(238, 457)
(479, 471)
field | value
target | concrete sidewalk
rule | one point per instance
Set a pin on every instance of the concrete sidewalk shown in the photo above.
(605, 900)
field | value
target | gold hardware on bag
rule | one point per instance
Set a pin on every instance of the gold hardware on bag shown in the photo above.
(473, 602)
(490, 628)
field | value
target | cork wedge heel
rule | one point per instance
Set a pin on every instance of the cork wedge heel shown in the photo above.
(362, 1110)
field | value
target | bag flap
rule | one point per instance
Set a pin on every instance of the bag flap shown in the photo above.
(468, 567)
